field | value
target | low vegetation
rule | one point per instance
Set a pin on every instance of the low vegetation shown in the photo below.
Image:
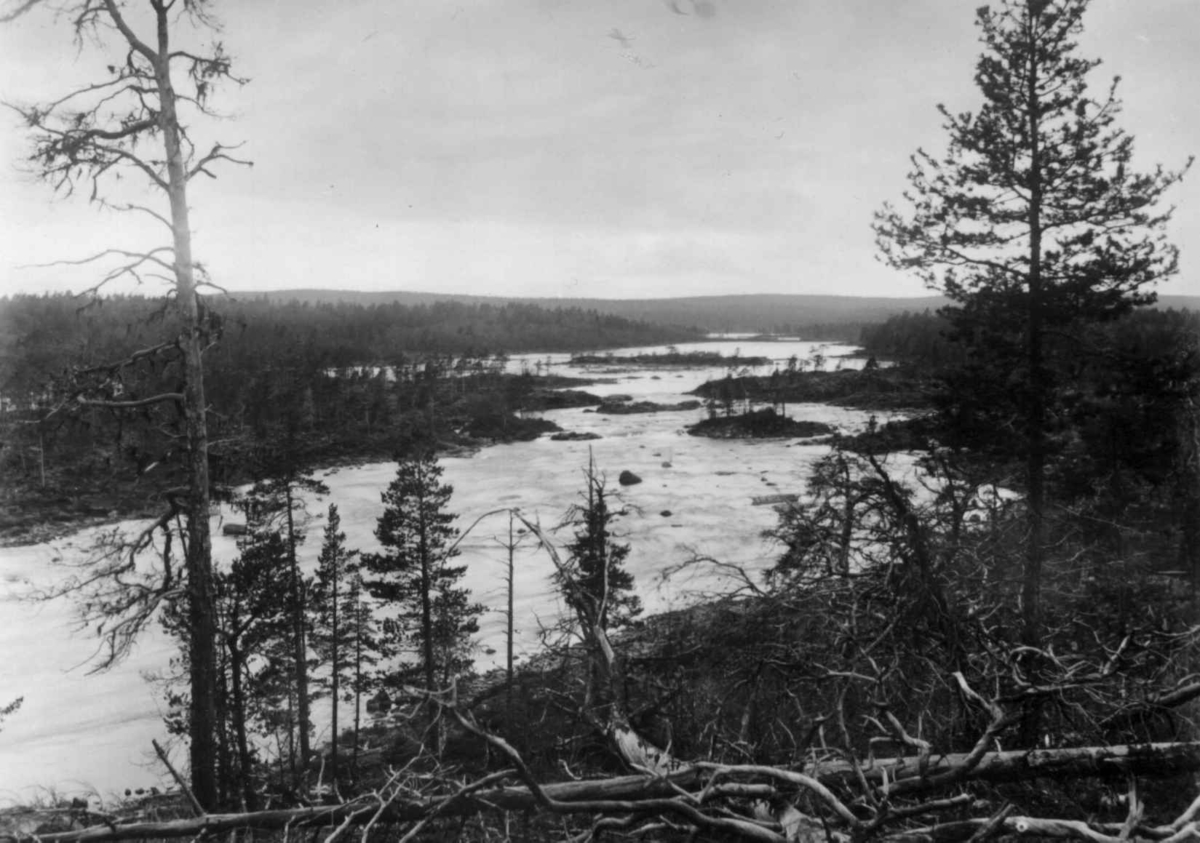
(669, 358)
(632, 408)
(873, 388)
(343, 383)
(764, 423)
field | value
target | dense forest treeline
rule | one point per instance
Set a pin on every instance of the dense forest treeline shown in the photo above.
(927, 337)
(816, 317)
(336, 381)
(1122, 432)
(765, 312)
(41, 334)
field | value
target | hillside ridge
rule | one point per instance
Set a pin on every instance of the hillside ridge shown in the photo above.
(734, 312)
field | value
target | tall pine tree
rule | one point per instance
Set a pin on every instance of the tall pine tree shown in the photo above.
(1033, 220)
(344, 634)
(414, 575)
(254, 628)
(276, 502)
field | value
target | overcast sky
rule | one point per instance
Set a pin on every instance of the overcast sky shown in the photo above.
(610, 148)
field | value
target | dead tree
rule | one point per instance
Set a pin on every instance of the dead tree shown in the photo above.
(133, 121)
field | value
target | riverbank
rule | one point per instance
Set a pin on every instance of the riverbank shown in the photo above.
(105, 487)
(76, 727)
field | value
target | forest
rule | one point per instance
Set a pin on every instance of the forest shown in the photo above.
(338, 382)
(979, 623)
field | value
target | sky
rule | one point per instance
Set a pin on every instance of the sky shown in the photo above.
(601, 148)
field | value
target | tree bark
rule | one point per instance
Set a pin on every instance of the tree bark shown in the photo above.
(508, 663)
(337, 646)
(358, 679)
(200, 601)
(1035, 420)
(237, 660)
(299, 642)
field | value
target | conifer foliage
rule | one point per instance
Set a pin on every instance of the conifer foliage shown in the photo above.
(252, 615)
(343, 629)
(277, 503)
(1033, 220)
(435, 617)
(603, 590)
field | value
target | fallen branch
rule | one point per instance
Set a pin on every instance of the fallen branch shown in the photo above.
(905, 778)
(187, 791)
(686, 794)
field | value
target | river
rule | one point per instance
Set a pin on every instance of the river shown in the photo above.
(90, 733)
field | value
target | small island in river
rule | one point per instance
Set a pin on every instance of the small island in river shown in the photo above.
(759, 424)
(688, 359)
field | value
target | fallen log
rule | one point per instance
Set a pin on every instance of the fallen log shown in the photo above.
(904, 775)
(649, 793)
(1042, 829)
(629, 789)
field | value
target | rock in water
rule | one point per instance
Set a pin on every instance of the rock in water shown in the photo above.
(628, 478)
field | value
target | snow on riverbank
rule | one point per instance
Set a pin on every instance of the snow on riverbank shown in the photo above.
(77, 731)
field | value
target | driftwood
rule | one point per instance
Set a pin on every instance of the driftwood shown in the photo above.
(686, 793)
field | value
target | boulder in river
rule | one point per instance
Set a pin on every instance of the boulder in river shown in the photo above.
(628, 478)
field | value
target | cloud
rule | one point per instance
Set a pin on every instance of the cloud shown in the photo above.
(520, 144)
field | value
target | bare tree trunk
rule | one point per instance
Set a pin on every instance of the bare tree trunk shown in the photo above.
(237, 665)
(226, 778)
(337, 649)
(427, 644)
(509, 639)
(201, 612)
(1035, 420)
(358, 656)
(299, 639)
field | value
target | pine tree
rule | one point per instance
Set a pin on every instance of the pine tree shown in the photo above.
(603, 591)
(367, 649)
(254, 682)
(133, 120)
(253, 621)
(1033, 220)
(343, 629)
(414, 574)
(275, 502)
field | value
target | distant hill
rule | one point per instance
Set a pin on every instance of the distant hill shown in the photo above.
(714, 313)
(762, 312)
